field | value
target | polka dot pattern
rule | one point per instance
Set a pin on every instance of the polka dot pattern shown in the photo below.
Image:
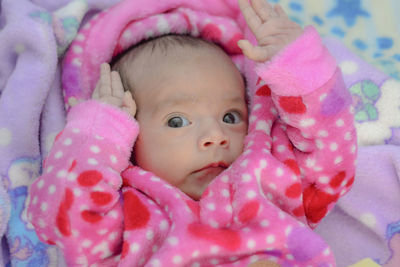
(283, 181)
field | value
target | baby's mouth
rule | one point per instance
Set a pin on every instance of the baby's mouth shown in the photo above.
(213, 166)
(210, 171)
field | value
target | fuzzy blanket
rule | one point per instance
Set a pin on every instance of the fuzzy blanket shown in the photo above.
(33, 37)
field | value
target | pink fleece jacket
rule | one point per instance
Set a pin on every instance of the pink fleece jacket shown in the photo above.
(299, 158)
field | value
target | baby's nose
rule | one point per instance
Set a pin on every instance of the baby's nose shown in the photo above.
(214, 137)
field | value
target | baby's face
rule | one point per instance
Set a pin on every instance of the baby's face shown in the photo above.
(192, 115)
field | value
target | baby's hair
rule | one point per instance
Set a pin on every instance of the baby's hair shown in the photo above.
(163, 44)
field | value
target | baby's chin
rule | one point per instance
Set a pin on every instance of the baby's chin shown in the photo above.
(200, 182)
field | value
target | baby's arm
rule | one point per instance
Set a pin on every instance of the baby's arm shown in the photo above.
(76, 203)
(313, 104)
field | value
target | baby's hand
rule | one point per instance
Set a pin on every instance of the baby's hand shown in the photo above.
(109, 89)
(271, 26)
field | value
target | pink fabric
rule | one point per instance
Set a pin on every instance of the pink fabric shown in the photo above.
(298, 159)
(293, 169)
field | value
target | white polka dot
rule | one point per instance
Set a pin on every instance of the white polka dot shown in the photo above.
(195, 254)
(177, 259)
(279, 172)
(76, 130)
(149, 235)
(155, 262)
(95, 149)
(348, 67)
(225, 178)
(264, 223)
(213, 223)
(173, 241)
(338, 160)
(41, 223)
(368, 219)
(86, 243)
(244, 163)
(214, 249)
(263, 126)
(251, 244)
(127, 35)
(77, 49)
(225, 193)
(98, 137)
(195, 264)
(353, 149)
(135, 247)
(72, 176)
(319, 143)
(339, 123)
(229, 209)
(67, 142)
(310, 162)
(40, 184)
(289, 257)
(307, 122)
(270, 239)
(333, 146)
(113, 159)
(257, 106)
(92, 161)
(323, 133)
(252, 118)
(52, 189)
(80, 37)
(61, 174)
(347, 136)
(246, 177)
(58, 154)
(281, 148)
(272, 186)
(323, 96)
(35, 200)
(211, 206)
(44, 206)
(288, 230)
(323, 179)
(327, 252)
(77, 62)
(251, 194)
(162, 25)
(5, 137)
(77, 192)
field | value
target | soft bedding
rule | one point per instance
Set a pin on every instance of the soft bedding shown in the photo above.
(364, 37)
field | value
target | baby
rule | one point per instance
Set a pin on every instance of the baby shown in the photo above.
(193, 196)
(191, 108)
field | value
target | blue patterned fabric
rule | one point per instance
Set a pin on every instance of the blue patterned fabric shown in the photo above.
(369, 28)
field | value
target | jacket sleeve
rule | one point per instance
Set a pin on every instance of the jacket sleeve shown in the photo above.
(314, 120)
(75, 203)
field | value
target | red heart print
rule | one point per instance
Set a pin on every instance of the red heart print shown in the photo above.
(292, 104)
(135, 212)
(226, 238)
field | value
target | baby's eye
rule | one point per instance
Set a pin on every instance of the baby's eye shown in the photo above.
(177, 122)
(232, 117)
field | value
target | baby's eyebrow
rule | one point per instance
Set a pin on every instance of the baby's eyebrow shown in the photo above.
(174, 101)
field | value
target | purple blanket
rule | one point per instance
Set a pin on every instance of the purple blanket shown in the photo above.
(33, 38)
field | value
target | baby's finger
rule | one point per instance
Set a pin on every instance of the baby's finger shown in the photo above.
(263, 9)
(95, 94)
(252, 19)
(279, 10)
(255, 53)
(116, 85)
(129, 103)
(105, 80)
